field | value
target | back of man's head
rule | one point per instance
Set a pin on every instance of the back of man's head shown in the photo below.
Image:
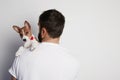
(53, 21)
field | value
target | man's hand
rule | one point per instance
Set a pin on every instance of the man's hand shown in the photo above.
(13, 78)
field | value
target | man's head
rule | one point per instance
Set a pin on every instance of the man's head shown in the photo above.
(51, 24)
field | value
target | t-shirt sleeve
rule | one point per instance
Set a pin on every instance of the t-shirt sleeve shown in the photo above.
(13, 69)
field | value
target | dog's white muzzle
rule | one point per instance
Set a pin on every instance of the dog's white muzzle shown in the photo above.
(27, 41)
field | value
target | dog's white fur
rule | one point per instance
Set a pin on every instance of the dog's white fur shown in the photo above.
(29, 44)
(34, 44)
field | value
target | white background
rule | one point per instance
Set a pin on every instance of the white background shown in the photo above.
(92, 33)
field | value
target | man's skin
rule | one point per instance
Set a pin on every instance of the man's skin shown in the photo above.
(45, 38)
(13, 78)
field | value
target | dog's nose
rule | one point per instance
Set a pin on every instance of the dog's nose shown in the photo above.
(24, 40)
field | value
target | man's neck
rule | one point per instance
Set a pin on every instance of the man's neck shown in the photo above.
(52, 40)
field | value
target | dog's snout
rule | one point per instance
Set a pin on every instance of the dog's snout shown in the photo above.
(24, 40)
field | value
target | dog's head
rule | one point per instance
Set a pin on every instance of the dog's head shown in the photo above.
(24, 32)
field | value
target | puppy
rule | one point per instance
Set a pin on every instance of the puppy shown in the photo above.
(26, 35)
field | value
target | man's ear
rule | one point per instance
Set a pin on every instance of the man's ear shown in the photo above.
(16, 28)
(27, 25)
(43, 32)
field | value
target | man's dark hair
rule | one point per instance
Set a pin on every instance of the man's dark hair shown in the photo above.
(53, 21)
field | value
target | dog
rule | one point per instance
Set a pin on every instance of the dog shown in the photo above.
(30, 42)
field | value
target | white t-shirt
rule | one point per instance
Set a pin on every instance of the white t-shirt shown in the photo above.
(48, 61)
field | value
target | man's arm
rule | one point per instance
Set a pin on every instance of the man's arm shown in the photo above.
(13, 78)
(13, 69)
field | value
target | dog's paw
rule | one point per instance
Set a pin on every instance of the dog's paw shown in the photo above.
(17, 54)
(32, 48)
(20, 51)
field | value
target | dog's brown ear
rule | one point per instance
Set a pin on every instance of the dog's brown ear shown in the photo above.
(16, 28)
(27, 25)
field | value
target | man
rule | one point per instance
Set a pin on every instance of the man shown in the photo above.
(49, 61)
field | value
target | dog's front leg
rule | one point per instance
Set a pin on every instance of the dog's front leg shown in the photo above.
(20, 51)
(34, 45)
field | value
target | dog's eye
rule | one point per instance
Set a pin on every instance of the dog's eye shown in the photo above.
(26, 32)
(21, 35)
